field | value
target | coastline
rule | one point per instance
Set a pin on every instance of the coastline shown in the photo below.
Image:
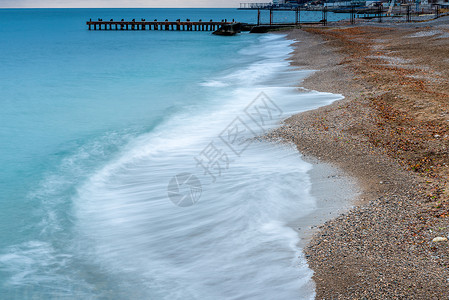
(334, 192)
(381, 248)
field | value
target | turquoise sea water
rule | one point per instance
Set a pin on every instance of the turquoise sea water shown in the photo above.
(94, 125)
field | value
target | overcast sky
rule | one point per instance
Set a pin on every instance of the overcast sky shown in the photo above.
(122, 3)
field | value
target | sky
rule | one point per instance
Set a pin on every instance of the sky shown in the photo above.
(121, 3)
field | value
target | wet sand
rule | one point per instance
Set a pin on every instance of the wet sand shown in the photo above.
(391, 134)
(334, 192)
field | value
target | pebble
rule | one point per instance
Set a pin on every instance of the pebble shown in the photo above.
(439, 239)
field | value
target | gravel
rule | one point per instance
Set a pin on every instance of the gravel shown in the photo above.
(382, 133)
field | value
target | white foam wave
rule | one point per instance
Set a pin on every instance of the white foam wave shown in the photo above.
(234, 243)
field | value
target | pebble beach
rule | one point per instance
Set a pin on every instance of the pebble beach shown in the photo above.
(390, 133)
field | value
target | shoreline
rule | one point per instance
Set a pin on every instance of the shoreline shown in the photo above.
(382, 247)
(334, 192)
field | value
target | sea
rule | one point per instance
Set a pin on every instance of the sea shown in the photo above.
(132, 165)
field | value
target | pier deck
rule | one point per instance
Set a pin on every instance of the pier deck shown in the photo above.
(156, 25)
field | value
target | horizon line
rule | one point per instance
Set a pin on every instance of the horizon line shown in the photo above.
(193, 7)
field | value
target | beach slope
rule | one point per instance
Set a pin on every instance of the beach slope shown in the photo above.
(391, 134)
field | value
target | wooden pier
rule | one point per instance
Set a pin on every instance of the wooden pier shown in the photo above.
(156, 25)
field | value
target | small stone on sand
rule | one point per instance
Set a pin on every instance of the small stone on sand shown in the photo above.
(439, 239)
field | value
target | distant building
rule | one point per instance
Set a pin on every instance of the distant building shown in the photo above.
(336, 3)
(276, 2)
(444, 3)
(441, 2)
(289, 2)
